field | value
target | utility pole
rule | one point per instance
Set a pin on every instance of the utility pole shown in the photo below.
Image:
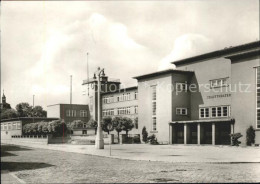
(70, 89)
(99, 143)
(33, 109)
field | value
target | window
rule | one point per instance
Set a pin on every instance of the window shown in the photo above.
(136, 95)
(5, 127)
(83, 113)
(14, 126)
(136, 109)
(68, 113)
(108, 112)
(218, 82)
(181, 87)
(9, 126)
(204, 112)
(154, 97)
(214, 112)
(220, 111)
(123, 110)
(258, 97)
(181, 111)
(73, 113)
(128, 96)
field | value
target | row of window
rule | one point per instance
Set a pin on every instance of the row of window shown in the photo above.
(120, 111)
(213, 84)
(258, 97)
(213, 112)
(11, 126)
(154, 105)
(73, 113)
(119, 98)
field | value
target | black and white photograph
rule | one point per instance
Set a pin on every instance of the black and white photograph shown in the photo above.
(135, 91)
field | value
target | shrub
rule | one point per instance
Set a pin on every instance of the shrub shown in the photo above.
(152, 139)
(234, 139)
(250, 136)
(144, 134)
(57, 128)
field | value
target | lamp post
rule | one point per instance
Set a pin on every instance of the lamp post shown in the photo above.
(99, 143)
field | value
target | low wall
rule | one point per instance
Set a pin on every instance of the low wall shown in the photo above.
(29, 139)
(49, 139)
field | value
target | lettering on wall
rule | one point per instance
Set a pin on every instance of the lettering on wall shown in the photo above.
(218, 96)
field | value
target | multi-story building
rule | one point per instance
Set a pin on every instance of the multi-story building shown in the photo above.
(204, 100)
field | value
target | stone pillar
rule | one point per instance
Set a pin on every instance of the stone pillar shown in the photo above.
(198, 133)
(213, 133)
(111, 138)
(231, 132)
(170, 134)
(185, 133)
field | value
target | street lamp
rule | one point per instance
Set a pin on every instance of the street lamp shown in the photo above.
(99, 143)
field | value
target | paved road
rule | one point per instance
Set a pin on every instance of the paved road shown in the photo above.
(48, 166)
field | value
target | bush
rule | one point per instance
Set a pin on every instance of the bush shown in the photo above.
(250, 136)
(57, 128)
(152, 139)
(234, 139)
(144, 134)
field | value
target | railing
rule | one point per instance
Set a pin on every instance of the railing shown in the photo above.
(87, 81)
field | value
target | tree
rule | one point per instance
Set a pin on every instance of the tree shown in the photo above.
(104, 124)
(117, 124)
(25, 110)
(38, 111)
(250, 136)
(9, 113)
(57, 128)
(92, 124)
(144, 134)
(76, 124)
(127, 125)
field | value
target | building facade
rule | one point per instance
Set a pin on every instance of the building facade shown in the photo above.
(204, 100)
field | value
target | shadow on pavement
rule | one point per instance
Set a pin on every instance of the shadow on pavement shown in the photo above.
(13, 148)
(6, 148)
(19, 166)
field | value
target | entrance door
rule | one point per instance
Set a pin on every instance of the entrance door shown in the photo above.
(223, 133)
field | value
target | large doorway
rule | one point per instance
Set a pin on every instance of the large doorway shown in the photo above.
(223, 131)
(192, 133)
(206, 133)
(178, 134)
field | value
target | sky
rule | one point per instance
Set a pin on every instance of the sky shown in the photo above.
(43, 43)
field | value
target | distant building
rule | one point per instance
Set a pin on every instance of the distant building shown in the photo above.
(70, 113)
(4, 104)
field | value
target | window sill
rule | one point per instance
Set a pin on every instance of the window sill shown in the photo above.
(153, 131)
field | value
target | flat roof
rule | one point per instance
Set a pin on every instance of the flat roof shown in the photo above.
(121, 90)
(205, 121)
(27, 118)
(168, 71)
(218, 53)
(67, 104)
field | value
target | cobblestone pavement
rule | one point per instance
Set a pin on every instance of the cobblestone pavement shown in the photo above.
(48, 166)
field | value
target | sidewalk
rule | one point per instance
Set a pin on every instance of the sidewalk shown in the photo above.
(167, 153)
